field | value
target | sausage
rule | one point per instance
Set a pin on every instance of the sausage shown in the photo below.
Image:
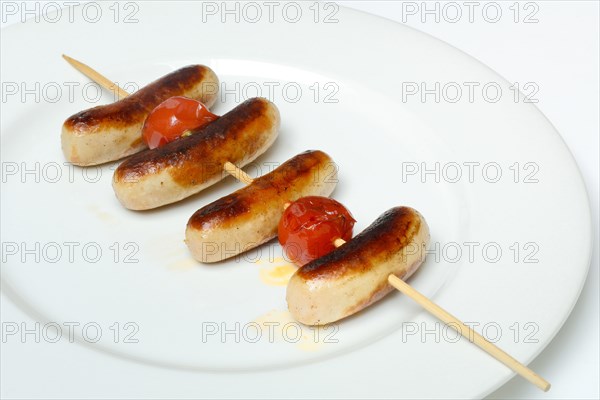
(354, 275)
(250, 216)
(113, 131)
(185, 166)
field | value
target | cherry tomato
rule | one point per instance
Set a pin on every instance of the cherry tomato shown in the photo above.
(173, 118)
(310, 225)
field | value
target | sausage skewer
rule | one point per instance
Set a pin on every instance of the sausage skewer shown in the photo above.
(393, 280)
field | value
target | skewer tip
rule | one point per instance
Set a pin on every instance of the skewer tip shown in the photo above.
(70, 60)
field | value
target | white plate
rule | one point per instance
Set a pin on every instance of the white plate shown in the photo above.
(342, 85)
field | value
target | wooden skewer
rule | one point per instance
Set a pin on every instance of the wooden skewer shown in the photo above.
(467, 332)
(96, 77)
(237, 173)
(464, 330)
(396, 282)
(103, 81)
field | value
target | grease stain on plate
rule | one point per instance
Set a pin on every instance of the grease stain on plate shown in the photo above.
(102, 215)
(278, 273)
(183, 264)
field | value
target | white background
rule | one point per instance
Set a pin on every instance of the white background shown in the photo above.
(560, 53)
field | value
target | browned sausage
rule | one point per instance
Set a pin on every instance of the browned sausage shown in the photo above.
(185, 166)
(354, 275)
(249, 216)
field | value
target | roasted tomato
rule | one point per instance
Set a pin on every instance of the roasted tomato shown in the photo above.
(173, 118)
(309, 226)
